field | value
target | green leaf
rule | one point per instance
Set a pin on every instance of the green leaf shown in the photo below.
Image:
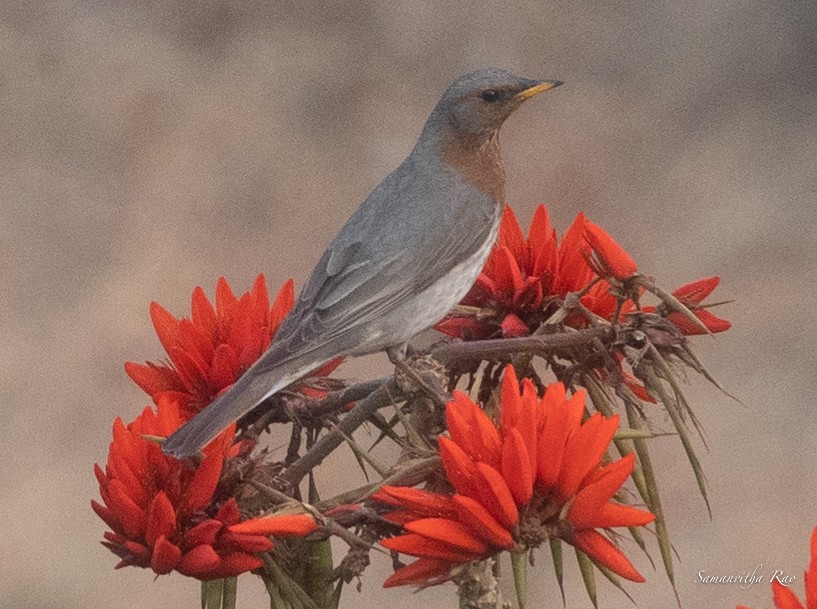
(588, 575)
(519, 565)
(671, 407)
(614, 579)
(291, 594)
(212, 594)
(664, 545)
(229, 593)
(558, 564)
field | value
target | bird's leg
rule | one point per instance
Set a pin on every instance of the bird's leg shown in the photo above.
(397, 356)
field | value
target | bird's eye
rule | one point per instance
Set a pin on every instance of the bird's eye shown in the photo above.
(490, 96)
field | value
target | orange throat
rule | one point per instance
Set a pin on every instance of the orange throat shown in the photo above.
(478, 162)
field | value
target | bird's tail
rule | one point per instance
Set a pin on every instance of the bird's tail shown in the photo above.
(245, 394)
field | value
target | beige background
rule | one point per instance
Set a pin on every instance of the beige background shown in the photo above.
(148, 147)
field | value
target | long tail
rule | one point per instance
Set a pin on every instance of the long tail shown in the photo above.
(247, 392)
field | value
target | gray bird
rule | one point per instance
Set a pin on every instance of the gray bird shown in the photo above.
(408, 254)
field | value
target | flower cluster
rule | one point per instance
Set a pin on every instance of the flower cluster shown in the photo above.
(526, 280)
(536, 475)
(784, 598)
(167, 515)
(692, 295)
(210, 350)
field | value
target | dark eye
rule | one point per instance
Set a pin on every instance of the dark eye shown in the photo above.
(490, 96)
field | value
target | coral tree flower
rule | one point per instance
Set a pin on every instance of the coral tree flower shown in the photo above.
(525, 280)
(606, 257)
(692, 295)
(210, 350)
(165, 514)
(783, 596)
(537, 475)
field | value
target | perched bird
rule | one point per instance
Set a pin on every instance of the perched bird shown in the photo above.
(406, 256)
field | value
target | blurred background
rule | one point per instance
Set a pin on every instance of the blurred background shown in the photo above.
(149, 147)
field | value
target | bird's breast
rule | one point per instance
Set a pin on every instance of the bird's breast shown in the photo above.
(477, 162)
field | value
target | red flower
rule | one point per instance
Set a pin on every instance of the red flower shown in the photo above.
(524, 280)
(163, 513)
(607, 258)
(692, 294)
(784, 598)
(209, 351)
(537, 475)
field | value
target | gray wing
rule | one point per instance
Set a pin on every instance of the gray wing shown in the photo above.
(384, 255)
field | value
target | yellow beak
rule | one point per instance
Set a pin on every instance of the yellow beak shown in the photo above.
(544, 85)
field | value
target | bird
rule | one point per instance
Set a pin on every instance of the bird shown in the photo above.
(409, 253)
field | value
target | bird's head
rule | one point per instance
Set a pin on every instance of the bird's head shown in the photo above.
(476, 104)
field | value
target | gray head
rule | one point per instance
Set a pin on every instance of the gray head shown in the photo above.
(476, 104)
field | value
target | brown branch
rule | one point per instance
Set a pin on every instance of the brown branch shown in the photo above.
(334, 401)
(540, 344)
(385, 395)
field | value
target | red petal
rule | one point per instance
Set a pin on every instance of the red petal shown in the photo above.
(508, 276)
(694, 293)
(165, 324)
(466, 328)
(562, 419)
(712, 322)
(513, 326)
(611, 515)
(811, 574)
(484, 291)
(139, 553)
(511, 400)
(574, 273)
(583, 453)
(161, 519)
(419, 545)
(152, 378)
(198, 561)
(107, 515)
(784, 598)
(473, 514)
(530, 295)
(130, 515)
(204, 316)
(449, 532)
(282, 525)
(203, 533)
(421, 571)
(601, 550)
(516, 468)
(511, 237)
(203, 485)
(529, 424)
(592, 497)
(229, 512)
(472, 429)
(495, 495)
(543, 255)
(234, 563)
(244, 543)
(165, 556)
(615, 260)
(422, 503)
(224, 369)
(259, 300)
(226, 303)
(459, 467)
